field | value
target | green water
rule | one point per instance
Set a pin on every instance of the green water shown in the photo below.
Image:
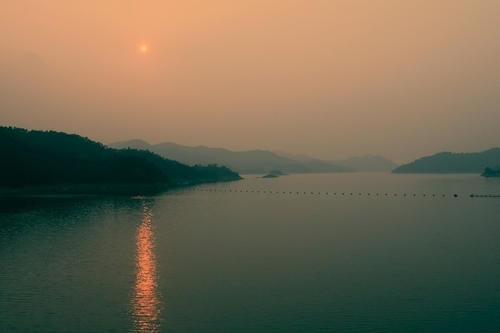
(208, 260)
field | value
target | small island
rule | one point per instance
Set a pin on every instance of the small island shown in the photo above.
(274, 174)
(489, 172)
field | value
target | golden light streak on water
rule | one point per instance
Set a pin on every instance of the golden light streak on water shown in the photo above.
(146, 300)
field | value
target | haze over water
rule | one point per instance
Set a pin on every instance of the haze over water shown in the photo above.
(289, 86)
(330, 78)
(204, 259)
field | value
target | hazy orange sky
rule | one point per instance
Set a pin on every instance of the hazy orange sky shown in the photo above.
(328, 78)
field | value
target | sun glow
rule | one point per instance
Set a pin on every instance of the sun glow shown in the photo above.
(143, 48)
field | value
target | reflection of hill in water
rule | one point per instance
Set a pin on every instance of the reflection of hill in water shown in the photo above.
(196, 261)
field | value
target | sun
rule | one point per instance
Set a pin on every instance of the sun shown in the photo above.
(143, 48)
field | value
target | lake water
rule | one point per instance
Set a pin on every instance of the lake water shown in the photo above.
(232, 258)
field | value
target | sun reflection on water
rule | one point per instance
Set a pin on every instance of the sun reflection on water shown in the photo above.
(146, 300)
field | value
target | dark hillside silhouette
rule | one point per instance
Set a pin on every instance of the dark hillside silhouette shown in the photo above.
(38, 158)
(453, 163)
(489, 172)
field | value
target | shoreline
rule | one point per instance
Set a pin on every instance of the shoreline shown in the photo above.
(95, 190)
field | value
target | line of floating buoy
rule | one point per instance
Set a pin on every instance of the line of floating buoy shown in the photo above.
(351, 194)
(485, 196)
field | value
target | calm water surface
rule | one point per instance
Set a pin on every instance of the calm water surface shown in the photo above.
(208, 260)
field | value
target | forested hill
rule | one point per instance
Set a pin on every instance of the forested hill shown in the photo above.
(453, 163)
(39, 158)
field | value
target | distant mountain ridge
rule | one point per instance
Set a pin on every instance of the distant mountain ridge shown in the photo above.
(252, 161)
(370, 163)
(447, 162)
(363, 163)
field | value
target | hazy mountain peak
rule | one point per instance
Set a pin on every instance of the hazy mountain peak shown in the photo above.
(368, 162)
(250, 161)
(133, 143)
